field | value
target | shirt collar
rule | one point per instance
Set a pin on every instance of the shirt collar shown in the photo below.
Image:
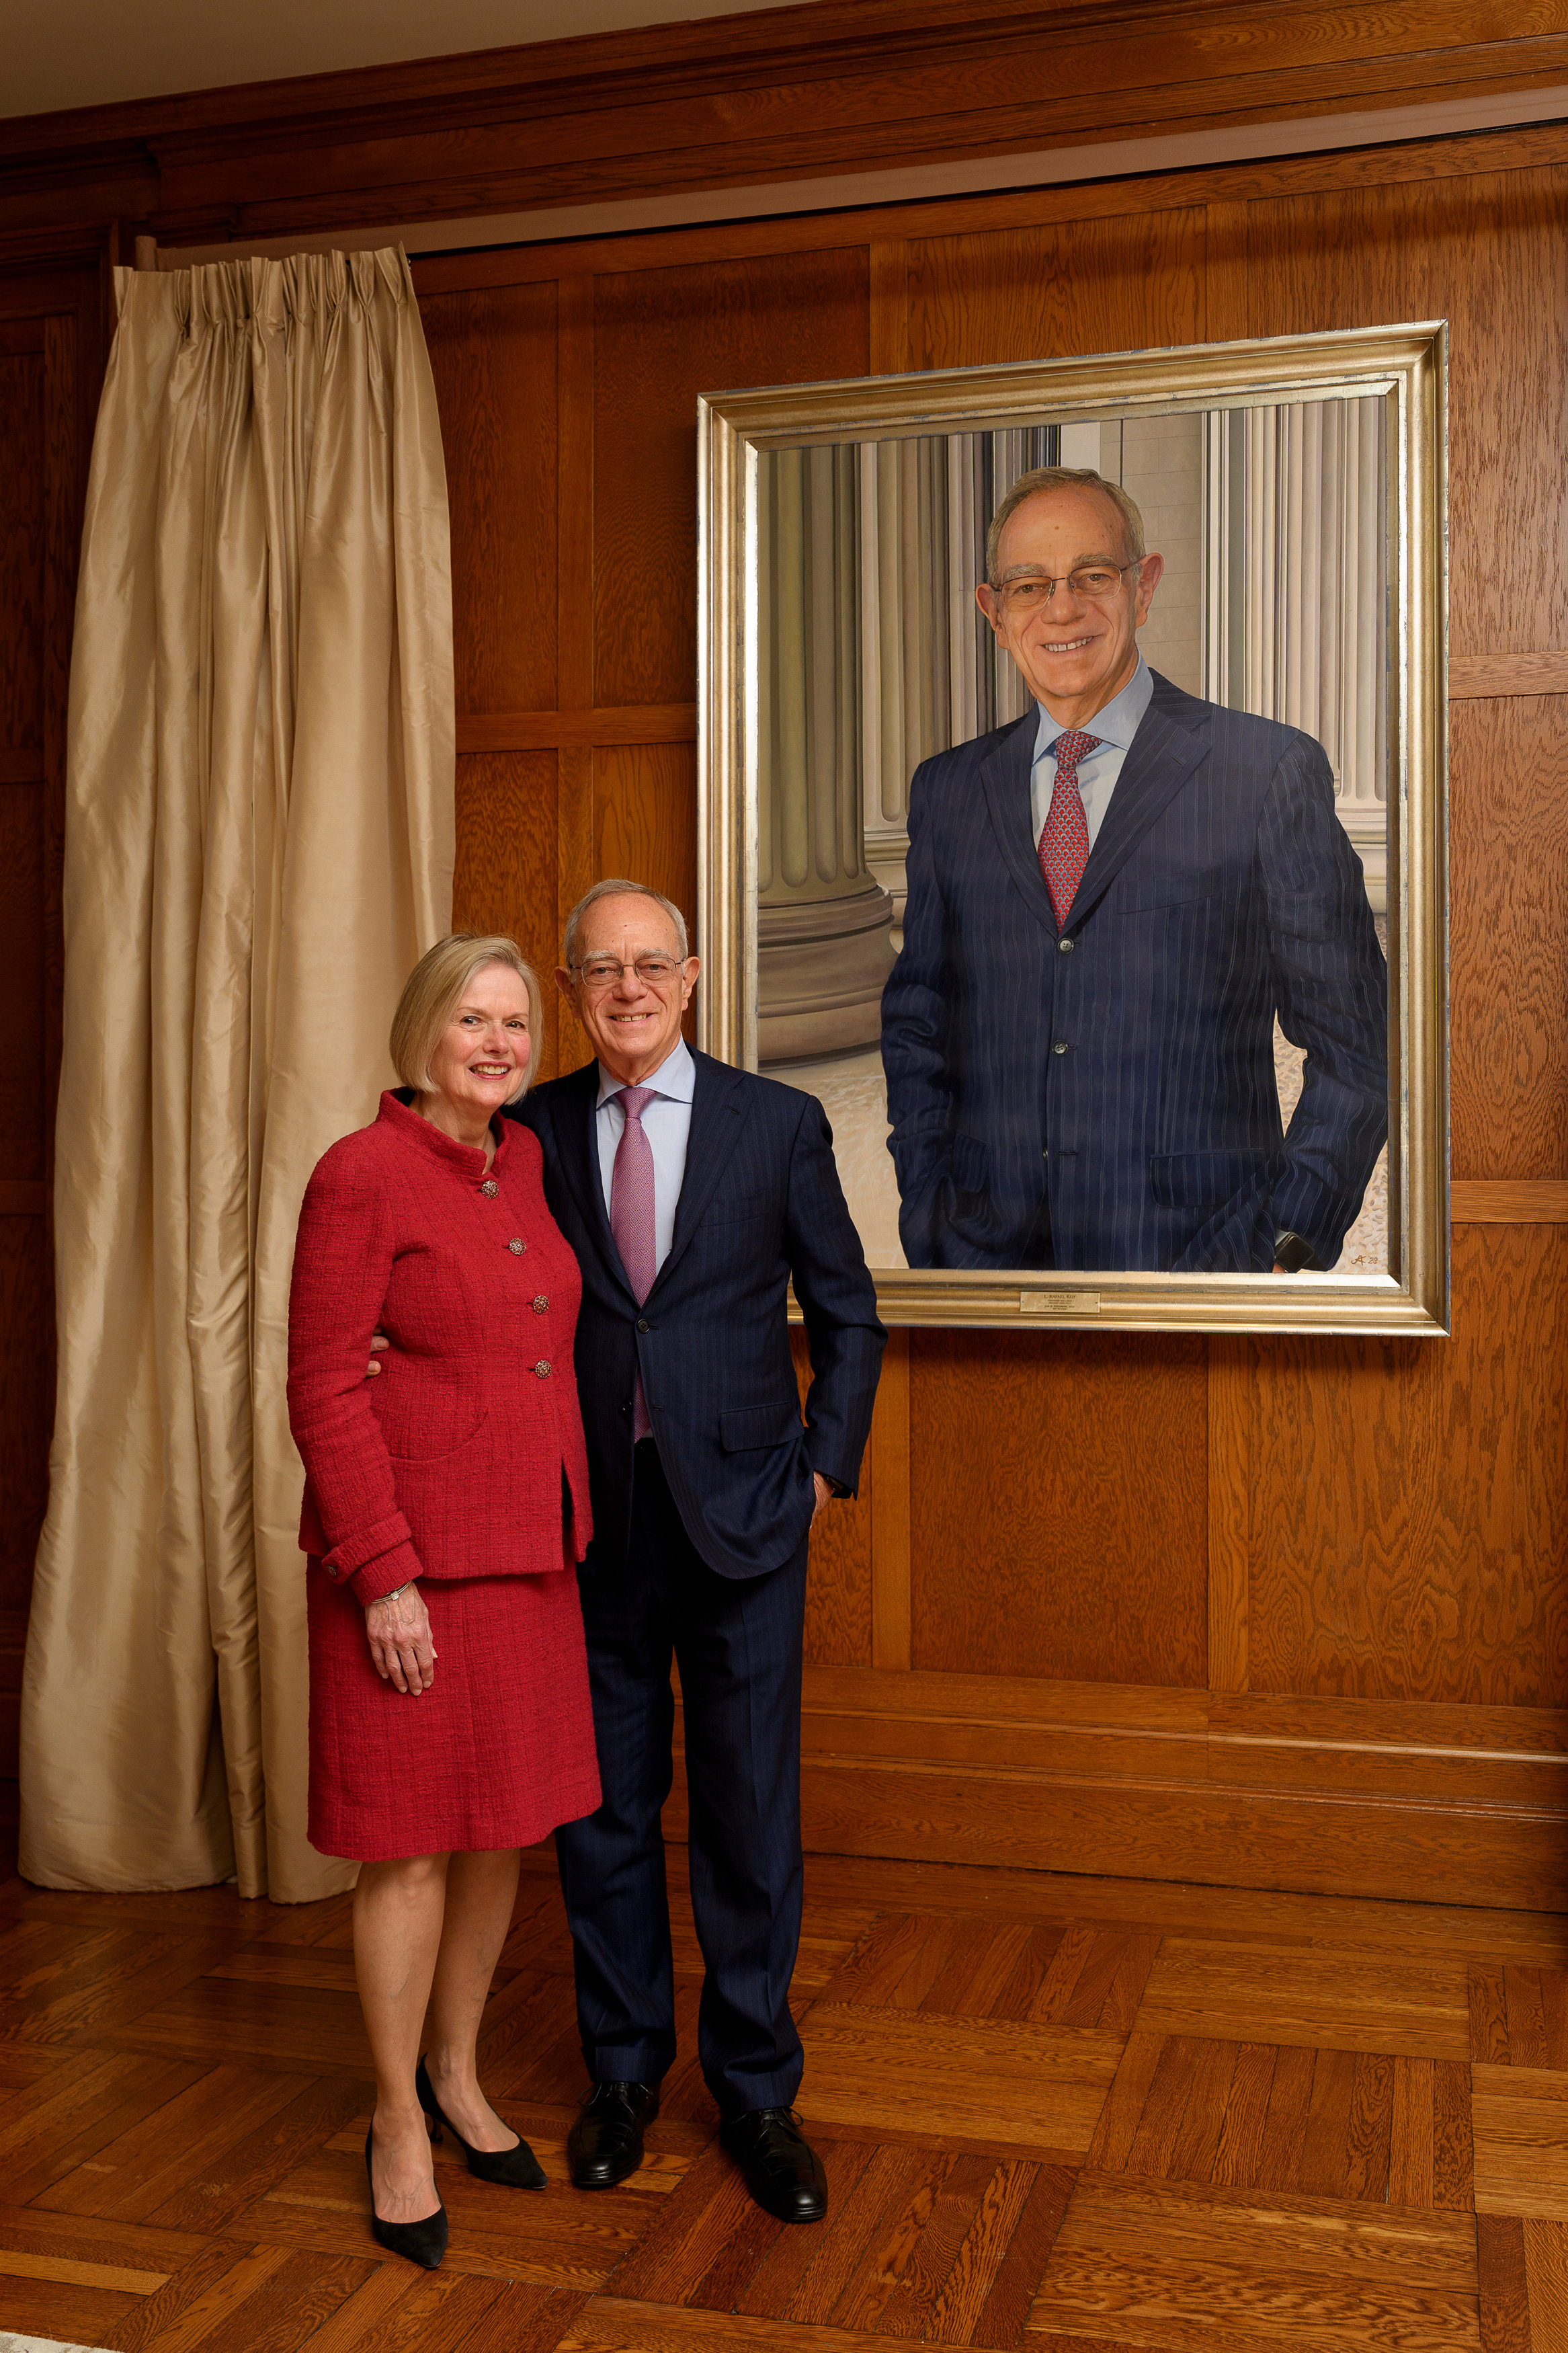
(676, 1077)
(1117, 723)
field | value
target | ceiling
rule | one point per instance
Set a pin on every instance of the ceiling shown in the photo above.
(65, 53)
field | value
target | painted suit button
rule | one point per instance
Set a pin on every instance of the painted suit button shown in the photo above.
(541, 1304)
(542, 1368)
(516, 1247)
(490, 1189)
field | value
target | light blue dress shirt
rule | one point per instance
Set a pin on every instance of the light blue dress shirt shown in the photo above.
(1116, 726)
(666, 1123)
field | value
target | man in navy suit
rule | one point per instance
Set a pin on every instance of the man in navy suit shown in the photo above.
(693, 1195)
(1109, 904)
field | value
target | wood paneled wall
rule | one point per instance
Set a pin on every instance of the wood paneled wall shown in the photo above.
(1286, 1612)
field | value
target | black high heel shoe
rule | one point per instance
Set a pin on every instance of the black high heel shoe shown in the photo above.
(423, 2243)
(515, 2169)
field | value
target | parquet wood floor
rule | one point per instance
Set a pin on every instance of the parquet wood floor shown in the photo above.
(1062, 2114)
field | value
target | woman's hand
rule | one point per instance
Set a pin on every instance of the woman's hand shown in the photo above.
(399, 1630)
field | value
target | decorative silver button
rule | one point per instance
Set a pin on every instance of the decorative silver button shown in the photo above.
(1064, 947)
(516, 1247)
(490, 1189)
(542, 1368)
(1058, 1049)
(541, 1304)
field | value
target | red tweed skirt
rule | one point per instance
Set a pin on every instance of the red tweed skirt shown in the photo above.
(494, 1754)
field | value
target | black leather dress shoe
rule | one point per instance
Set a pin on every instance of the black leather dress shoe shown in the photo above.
(783, 2172)
(604, 2143)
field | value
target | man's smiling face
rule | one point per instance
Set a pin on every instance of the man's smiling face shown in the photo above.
(1074, 652)
(633, 1023)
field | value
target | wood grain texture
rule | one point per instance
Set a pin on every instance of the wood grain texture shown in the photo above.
(27, 1400)
(645, 819)
(1407, 1501)
(1541, 1202)
(1483, 677)
(22, 1114)
(1478, 255)
(1042, 1543)
(532, 731)
(22, 548)
(1074, 286)
(575, 482)
(889, 1458)
(493, 355)
(838, 1586)
(1225, 272)
(504, 879)
(1230, 1396)
(1509, 867)
(660, 338)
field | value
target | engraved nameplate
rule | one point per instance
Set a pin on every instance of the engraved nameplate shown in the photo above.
(1059, 1302)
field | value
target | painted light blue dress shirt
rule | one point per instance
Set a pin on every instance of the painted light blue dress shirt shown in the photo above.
(1116, 726)
(666, 1123)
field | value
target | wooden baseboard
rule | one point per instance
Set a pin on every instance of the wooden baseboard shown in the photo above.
(1330, 1796)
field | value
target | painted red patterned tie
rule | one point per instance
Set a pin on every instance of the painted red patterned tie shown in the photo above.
(632, 1218)
(1063, 844)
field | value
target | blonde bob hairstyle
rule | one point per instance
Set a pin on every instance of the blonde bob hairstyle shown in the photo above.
(435, 989)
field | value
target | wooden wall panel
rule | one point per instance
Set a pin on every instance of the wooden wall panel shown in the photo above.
(662, 337)
(505, 877)
(645, 816)
(21, 539)
(1508, 861)
(1058, 1504)
(493, 355)
(1485, 254)
(23, 1120)
(1410, 1511)
(839, 1591)
(1071, 285)
(26, 1406)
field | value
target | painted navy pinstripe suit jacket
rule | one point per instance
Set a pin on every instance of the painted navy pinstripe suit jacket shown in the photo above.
(1122, 1075)
(760, 1203)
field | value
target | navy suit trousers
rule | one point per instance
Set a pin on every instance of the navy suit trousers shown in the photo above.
(738, 1645)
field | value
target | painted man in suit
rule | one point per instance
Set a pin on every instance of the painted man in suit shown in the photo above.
(692, 1194)
(1109, 902)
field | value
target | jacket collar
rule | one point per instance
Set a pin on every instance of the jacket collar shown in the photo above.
(396, 1110)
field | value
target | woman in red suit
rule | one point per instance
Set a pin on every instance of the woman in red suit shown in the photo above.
(445, 1508)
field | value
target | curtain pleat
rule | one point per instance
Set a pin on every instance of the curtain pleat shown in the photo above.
(259, 844)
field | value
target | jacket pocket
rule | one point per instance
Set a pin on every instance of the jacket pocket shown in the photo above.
(1196, 1180)
(748, 1426)
(971, 1164)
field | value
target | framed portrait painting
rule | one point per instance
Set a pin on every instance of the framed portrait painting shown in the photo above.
(1072, 822)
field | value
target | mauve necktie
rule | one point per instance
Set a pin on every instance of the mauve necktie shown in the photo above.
(631, 1217)
(1064, 842)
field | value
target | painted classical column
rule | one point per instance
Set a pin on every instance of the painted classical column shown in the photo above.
(823, 921)
(1298, 543)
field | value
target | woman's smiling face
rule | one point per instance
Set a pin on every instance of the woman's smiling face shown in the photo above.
(477, 1062)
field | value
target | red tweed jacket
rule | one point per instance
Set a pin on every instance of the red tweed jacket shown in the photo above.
(452, 1462)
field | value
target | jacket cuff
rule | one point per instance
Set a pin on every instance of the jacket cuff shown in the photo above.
(367, 1548)
(1301, 1204)
(384, 1575)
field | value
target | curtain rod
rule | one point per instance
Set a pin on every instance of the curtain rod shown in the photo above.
(965, 176)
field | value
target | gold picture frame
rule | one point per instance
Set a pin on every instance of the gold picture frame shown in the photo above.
(1403, 368)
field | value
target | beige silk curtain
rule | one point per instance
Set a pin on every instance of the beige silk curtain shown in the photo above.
(259, 843)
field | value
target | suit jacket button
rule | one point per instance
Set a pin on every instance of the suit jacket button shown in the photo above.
(1064, 947)
(331, 1572)
(542, 1368)
(516, 1247)
(642, 1323)
(541, 1304)
(1059, 1048)
(490, 1189)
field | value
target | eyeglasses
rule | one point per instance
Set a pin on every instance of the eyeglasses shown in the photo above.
(604, 972)
(1092, 582)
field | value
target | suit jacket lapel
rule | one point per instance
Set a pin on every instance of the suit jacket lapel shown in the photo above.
(1004, 777)
(1160, 759)
(718, 1115)
(573, 1111)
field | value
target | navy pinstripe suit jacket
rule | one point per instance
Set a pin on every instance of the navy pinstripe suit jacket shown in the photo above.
(1122, 1074)
(760, 1203)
